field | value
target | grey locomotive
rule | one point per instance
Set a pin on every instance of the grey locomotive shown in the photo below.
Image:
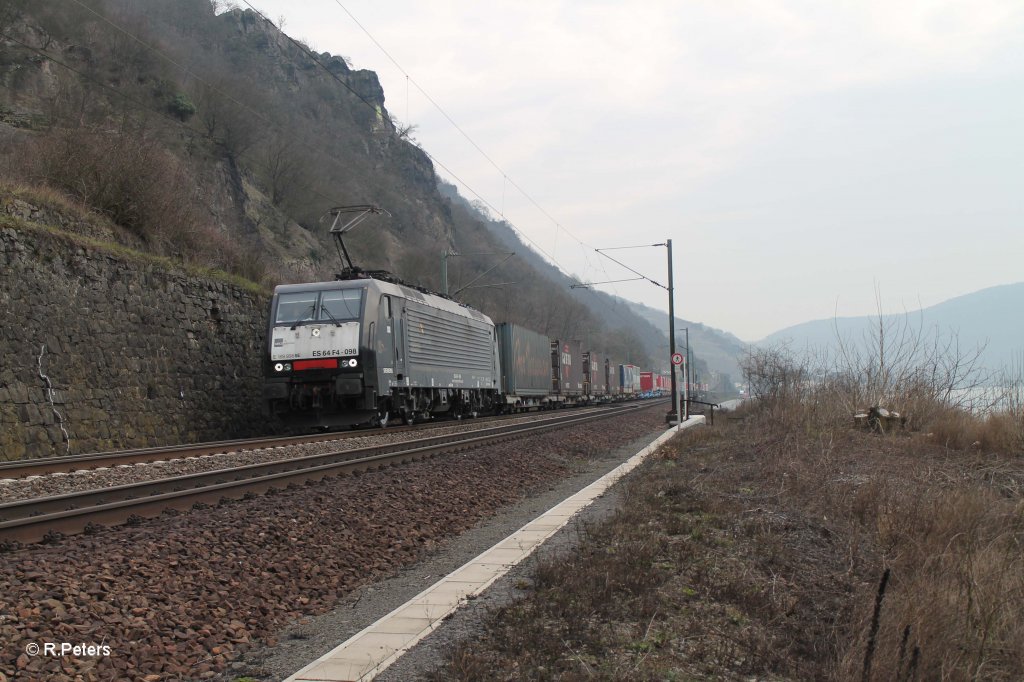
(365, 351)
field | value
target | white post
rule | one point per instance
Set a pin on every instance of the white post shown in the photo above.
(675, 400)
(686, 389)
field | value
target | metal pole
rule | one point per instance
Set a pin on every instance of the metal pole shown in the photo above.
(444, 272)
(672, 334)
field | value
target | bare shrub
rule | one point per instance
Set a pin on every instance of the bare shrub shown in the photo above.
(901, 365)
(789, 389)
(221, 252)
(131, 178)
(925, 375)
(1009, 418)
(128, 177)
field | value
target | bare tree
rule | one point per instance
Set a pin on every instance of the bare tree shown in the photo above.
(404, 131)
(283, 167)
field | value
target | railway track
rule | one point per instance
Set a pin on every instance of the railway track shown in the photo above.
(68, 464)
(39, 519)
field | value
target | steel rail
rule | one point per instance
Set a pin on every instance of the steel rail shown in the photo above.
(33, 520)
(50, 465)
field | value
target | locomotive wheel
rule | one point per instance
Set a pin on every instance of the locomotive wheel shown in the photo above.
(382, 421)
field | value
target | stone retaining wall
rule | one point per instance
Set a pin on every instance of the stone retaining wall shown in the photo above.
(137, 352)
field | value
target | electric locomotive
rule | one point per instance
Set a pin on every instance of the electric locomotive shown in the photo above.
(367, 350)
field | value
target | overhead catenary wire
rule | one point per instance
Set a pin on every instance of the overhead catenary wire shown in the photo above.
(434, 159)
(305, 50)
(272, 124)
(441, 110)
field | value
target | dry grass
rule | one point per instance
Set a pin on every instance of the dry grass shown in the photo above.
(124, 186)
(130, 254)
(992, 432)
(753, 551)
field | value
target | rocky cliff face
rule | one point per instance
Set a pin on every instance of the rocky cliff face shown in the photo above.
(276, 134)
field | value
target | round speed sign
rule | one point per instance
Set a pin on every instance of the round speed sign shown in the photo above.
(677, 359)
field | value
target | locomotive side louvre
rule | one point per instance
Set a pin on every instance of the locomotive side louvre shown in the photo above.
(445, 349)
(445, 356)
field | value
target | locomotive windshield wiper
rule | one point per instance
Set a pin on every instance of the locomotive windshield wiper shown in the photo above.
(333, 318)
(310, 310)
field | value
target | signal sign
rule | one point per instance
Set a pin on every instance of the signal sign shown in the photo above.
(677, 359)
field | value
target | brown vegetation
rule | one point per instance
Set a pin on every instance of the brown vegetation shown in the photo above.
(746, 550)
(785, 543)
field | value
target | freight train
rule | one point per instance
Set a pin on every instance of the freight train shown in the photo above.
(370, 349)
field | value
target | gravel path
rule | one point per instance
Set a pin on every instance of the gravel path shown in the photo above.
(185, 595)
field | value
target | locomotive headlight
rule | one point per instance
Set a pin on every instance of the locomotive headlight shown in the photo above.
(278, 367)
(287, 366)
(352, 362)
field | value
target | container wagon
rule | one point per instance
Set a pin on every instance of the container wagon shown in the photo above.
(567, 371)
(629, 381)
(595, 370)
(525, 367)
(646, 382)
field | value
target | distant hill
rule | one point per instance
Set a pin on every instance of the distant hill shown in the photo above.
(991, 318)
(720, 349)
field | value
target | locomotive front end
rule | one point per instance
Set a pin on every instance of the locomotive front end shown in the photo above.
(314, 364)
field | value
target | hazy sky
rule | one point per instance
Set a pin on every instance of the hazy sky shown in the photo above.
(799, 154)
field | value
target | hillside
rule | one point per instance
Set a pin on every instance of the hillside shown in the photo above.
(216, 139)
(986, 320)
(719, 351)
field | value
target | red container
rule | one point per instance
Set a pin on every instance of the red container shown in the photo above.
(646, 381)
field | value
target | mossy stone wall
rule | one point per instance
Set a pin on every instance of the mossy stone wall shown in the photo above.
(139, 353)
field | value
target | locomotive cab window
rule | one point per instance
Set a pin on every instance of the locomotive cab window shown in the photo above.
(296, 307)
(326, 306)
(342, 304)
